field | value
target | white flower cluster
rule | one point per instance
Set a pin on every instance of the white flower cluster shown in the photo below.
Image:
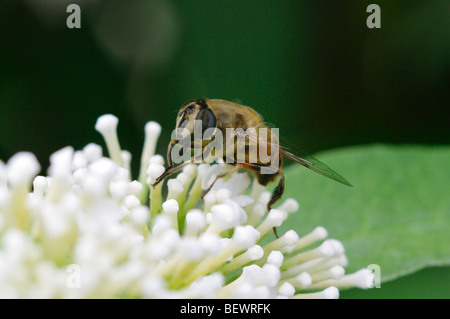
(86, 231)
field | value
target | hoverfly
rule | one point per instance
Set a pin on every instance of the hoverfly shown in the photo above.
(219, 117)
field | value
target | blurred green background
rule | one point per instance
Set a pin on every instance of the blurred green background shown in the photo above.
(311, 67)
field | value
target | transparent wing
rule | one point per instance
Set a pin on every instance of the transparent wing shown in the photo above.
(317, 166)
(296, 155)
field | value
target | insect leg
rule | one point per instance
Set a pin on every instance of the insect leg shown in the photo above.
(169, 171)
(173, 169)
(278, 191)
(231, 171)
(276, 195)
(169, 153)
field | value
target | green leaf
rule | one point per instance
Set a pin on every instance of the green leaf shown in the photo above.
(396, 215)
(428, 283)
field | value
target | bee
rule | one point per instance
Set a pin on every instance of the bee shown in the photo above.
(255, 148)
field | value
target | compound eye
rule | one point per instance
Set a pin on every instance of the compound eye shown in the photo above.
(208, 119)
